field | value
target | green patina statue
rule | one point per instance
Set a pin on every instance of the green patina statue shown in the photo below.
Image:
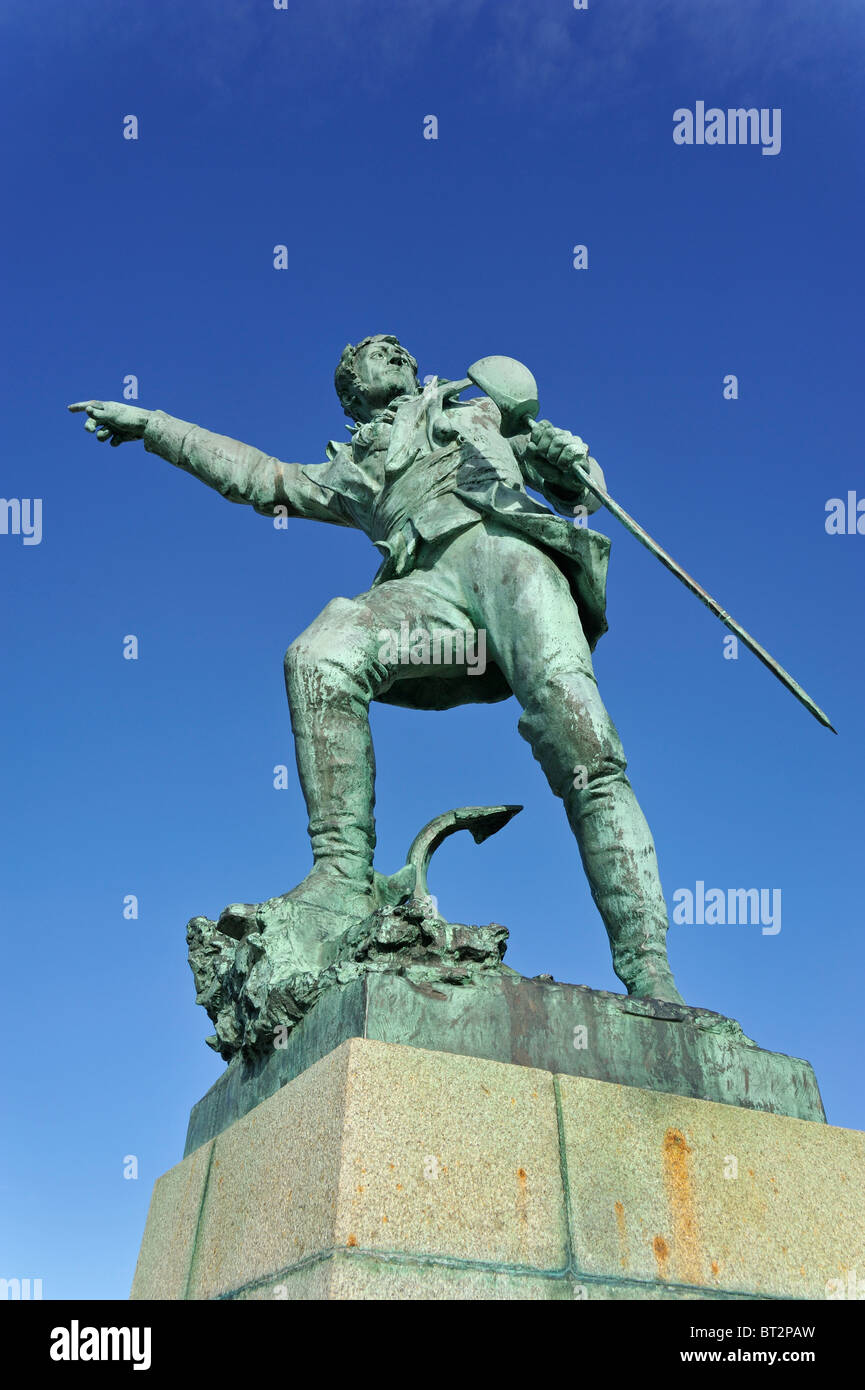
(439, 485)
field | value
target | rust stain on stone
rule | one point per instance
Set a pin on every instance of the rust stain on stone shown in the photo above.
(662, 1255)
(352, 1240)
(522, 1200)
(680, 1197)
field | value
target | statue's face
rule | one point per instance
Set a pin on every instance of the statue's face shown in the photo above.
(385, 372)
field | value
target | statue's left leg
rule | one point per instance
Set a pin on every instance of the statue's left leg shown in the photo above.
(535, 634)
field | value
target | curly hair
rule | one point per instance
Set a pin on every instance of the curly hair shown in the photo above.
(348, 385)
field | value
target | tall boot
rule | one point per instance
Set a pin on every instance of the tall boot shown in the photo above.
(618, 855)
(569, 729)
(329, 707)
(336, 764)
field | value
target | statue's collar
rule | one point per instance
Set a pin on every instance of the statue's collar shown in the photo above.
(366, 434)
(406, 412)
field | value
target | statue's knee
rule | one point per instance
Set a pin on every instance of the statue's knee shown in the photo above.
(601, 757)
(306, 661)
(569, 728)
(327, 658)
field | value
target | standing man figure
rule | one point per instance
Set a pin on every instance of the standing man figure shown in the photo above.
(442, 494)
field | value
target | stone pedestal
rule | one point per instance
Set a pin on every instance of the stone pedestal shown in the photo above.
(392, 1171)
(505, 1017)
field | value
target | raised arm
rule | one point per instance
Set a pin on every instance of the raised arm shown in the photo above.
(237, 471)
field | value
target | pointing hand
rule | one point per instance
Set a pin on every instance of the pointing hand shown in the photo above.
(112, 419)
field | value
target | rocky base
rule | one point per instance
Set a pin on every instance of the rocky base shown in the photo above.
(256, 990)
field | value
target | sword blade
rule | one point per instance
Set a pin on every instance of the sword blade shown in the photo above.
(640, 534)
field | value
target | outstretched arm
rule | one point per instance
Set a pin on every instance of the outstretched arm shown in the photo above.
(237, 471)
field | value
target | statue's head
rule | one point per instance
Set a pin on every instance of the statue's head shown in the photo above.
(372, 373)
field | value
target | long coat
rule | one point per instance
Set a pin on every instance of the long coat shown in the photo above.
(429, 467)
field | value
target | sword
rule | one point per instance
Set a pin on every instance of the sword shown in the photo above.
(514, 390)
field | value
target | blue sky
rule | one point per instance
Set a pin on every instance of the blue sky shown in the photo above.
(304, 127)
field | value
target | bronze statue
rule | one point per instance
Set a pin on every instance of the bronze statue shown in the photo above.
(442, 494)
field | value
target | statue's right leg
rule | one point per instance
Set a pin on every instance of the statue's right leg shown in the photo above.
(333, 670)
(329, 679)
